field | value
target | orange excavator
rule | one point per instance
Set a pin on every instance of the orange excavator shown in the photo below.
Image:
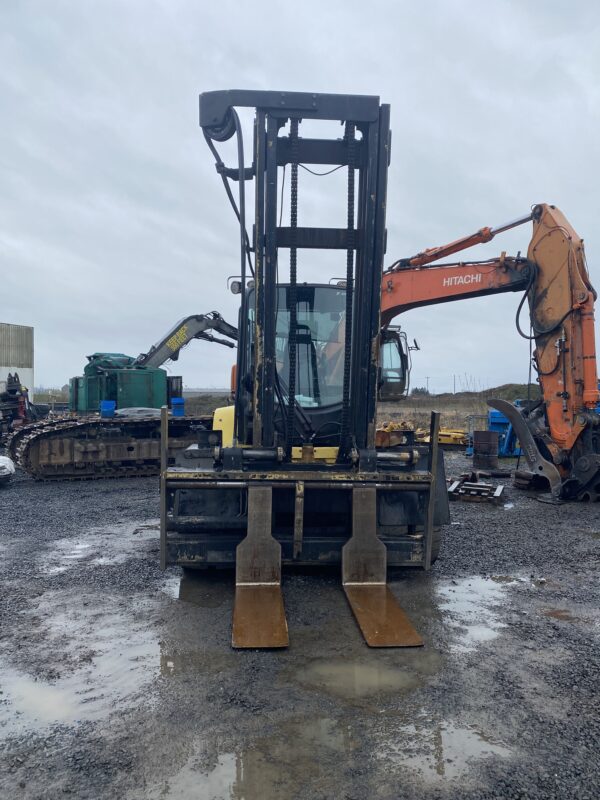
(560, 434)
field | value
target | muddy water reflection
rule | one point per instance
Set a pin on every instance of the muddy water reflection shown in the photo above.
(355, 679)
(110, 658)
(109, 544)
(438, 751)
(309, 757)
(207, 590)
(472, 607)
(29, 700)
(301, 753)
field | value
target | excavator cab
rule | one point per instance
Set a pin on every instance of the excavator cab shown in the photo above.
(296, 478)
(394, 364)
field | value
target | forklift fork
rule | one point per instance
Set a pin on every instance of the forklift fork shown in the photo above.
(364, 563)
(258, 615)
(364, 577)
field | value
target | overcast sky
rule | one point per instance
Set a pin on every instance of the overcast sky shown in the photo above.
(114, 224)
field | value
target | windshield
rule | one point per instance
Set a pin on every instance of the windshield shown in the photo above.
(320, 332)
(320, 316)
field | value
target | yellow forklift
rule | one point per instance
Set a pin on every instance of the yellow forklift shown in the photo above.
(290, 474)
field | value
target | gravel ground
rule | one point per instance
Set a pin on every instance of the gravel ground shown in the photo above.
(117, 680)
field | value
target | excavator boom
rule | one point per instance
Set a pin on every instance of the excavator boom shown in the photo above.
(192, 327)
(561, 437)
(408, 288)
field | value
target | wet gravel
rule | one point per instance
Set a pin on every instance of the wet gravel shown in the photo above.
(118, 681)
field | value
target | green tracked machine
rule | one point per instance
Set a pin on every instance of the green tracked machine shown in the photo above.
(294, 476)
(140, 382)
(116, 378)
(84, 444)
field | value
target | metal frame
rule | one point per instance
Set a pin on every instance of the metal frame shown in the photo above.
(371, 159)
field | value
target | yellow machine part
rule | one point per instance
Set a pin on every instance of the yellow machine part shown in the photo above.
(455, 436)
(223, 420)
(391, 434)
(328, 455)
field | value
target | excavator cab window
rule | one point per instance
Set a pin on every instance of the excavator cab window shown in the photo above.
(393, 364)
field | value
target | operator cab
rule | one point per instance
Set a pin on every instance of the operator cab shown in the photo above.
(394, 364)
(319, 359)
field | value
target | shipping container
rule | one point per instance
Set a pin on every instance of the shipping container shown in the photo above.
(16, 353)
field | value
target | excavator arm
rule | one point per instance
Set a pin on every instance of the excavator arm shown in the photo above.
(196, 326)
(409, 287)
(561, 436)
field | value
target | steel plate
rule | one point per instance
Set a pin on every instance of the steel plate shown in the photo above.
(382, 621)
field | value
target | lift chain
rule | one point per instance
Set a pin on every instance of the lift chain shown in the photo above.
(345, 422)
(293, 280)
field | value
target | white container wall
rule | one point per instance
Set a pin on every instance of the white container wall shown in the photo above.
(16, 353)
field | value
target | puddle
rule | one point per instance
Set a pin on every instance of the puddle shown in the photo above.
(206, 590)
(111, 658)
(352, 680)
(270, 769)
(303, 757)
(218, 784)
(472, 607)
(66, 552)
(113, 544)
(171, 587)
(440, 751)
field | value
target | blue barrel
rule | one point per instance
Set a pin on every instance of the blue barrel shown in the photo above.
(107, 408)
(178, 406)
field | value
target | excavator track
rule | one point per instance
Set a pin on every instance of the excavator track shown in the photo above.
(92, 447)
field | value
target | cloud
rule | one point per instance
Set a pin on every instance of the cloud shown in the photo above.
(113, 223)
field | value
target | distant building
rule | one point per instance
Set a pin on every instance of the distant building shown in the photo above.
(16, 353)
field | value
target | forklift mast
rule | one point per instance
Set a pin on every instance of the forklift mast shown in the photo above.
(364, 150)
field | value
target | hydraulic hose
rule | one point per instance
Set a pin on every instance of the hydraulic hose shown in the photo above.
(536, 331)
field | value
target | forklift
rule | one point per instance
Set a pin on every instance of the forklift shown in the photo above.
(290, 473)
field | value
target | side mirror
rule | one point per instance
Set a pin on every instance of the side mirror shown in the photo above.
(415, 345)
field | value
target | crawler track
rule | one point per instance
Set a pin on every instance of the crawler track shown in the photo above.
(91, 447)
